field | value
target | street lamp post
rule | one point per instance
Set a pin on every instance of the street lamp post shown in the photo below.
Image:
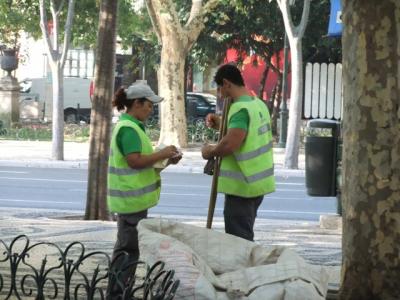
(284, 112)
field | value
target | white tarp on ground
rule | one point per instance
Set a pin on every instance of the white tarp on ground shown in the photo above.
(214, 265)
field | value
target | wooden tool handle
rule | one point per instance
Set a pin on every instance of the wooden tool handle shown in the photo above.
(217, 165)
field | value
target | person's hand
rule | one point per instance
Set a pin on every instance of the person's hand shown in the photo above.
(212, 121)
(207, 151)
(174, 160)
(169, 152)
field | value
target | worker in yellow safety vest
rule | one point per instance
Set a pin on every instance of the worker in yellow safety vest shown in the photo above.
(133, 182)
(247, 168)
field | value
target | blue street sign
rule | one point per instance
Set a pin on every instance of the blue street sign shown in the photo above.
(335, 20)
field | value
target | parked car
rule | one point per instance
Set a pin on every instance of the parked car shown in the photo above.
(197, 106)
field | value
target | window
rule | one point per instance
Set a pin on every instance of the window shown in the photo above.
(79, 63)
(197, 101)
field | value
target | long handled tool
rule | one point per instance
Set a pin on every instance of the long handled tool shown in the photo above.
(217, 165)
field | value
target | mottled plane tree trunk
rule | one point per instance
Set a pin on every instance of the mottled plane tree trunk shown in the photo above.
(371, 153)
(57, 54)
(176, 40)
(100, 119)
(295, 34)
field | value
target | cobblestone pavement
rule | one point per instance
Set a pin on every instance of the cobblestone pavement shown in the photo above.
(314, 244)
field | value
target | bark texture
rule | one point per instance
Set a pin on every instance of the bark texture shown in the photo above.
(371, 152)
(295, 35)
(295, 105)
(176, 40)
(264, 77)
(100, 126)
(57, 56)
(276, 104)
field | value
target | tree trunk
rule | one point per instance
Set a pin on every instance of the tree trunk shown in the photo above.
(262, 83)
(57, 59)
(58, 112)
(276, 100)
(100, 125)
(176, 40)
(294, 34)
(188, 76)
(371, 152)
(276, 103)
(295, 106)
(171, 87)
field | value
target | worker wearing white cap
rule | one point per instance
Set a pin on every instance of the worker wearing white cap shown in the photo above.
(133, 182)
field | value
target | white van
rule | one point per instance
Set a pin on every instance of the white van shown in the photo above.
(77, 103)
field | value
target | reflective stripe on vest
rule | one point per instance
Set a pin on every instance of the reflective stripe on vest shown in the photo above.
(249, 171)
(125, 171)
(247, 179)
(263, 129)
(131, 190)
(134, 193)
(255, 153)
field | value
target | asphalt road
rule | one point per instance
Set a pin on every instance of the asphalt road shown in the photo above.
(183, 194)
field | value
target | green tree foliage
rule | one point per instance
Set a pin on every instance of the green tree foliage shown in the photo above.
(136, 31)
(233, 24)
(17, 16)
(134, 28)
(318, 47)
(236, 23)
(23, 15)
(84, 31)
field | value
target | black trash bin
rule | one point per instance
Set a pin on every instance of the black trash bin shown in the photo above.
(321, 147)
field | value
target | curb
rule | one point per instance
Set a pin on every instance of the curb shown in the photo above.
(83, 164)
(332, 222)
(45, 164)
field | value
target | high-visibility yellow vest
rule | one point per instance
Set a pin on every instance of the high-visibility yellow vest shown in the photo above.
(131, 190)
(249, 171)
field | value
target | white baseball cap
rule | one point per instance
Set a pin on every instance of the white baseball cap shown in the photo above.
(140, 89)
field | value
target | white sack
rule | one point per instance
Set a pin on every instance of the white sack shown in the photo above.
(214, 265)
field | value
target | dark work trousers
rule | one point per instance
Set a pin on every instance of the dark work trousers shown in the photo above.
(240, 214)
(127, 242)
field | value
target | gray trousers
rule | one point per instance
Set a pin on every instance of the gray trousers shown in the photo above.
(240, 214)
(127, 242)
(127, 235)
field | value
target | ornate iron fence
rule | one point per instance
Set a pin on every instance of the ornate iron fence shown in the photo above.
(44, 271)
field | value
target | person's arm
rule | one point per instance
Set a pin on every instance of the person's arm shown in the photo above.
(129, 143)
(234, 138)
(139, 161)
(231, 142)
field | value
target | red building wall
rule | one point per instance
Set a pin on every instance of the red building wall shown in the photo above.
(253, 68)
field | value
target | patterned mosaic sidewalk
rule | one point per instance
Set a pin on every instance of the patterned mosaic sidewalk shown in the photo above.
(315, 245)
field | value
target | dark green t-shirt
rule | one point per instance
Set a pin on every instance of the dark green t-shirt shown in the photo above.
(241, 119)
(128, 140)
